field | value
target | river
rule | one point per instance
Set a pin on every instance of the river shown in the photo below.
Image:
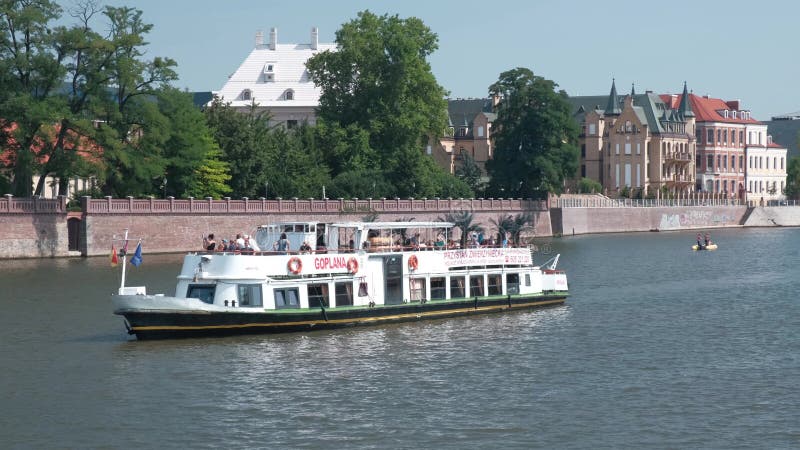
(658, 347)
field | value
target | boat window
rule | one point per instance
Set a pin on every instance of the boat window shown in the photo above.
(437, 289)
(512, 283)
(476, 286)
(287, 298)
(527, 279)
(495, 284)
(457, 287)
(249, 294)
(205, 292)
(344, 294)
(317, 295)
(417, 289)
(288, 228)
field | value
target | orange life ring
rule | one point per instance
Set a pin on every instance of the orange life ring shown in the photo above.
(294, 265)
(413, 262)
(352, 265)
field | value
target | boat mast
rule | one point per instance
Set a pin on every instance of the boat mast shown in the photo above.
(124, 261)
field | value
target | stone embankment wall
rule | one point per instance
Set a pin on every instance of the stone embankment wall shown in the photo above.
(33, 228)
(567, 221)
(179, 225)
(771, 216)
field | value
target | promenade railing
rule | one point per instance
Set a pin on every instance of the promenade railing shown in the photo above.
(131, 205)
(34, 205)
(604, 202)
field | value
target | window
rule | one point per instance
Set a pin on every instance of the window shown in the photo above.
(719, 136)
(480, 131)
(710, 137)
(317, 295)
(249, 294)
(527, 279)
(476, 286)
(246, 94)
(495, 284)
(592, 129)
(291, 124)
(205, 292)
(417, 289)
(512, 283)
(627, 148)
(741, 163)
(617, 149)
(288, 95)
(710, 162)
(344, 294)
(741, 137)
(457, 287)
(583, 150)
(437, 288)
(287, 298)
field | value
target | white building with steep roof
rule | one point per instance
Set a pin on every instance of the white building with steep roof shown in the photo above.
(274, 77)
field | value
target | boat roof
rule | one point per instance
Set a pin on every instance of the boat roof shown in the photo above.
(393, 225)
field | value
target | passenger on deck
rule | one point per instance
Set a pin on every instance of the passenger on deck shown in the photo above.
(305, 248)
(251, 244)
(283, 243)
(222, 246)
(699, 240)
(708, 239)
(209, 243)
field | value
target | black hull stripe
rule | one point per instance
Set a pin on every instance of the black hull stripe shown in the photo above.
(171, 324)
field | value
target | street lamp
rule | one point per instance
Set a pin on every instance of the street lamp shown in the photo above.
(164, 186)
(266, 189)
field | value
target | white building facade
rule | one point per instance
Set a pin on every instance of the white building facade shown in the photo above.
(766, 166)
(274, 77)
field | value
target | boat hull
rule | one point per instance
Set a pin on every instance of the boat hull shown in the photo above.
(705, 247)
(172, 323)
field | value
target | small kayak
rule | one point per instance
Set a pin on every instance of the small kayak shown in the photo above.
(704, 247)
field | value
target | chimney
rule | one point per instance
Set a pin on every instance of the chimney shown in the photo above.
(259, 39)
(314, 38)
(733, 104)
(273, 38)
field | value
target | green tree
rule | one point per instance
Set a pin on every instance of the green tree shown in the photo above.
(793, 178)
(463, 220)
(470, 173)
(246, 144)
(589, 186)
(189, 149)
(30, 72)
(535, 136)
(70, 90)
(211, 176)
(379, 84)
(513, 226)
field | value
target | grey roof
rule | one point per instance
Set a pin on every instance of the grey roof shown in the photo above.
(612, 106)
(648, 107)
(462, 112)
(201, 99)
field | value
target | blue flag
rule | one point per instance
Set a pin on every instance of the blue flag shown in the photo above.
(136, 259)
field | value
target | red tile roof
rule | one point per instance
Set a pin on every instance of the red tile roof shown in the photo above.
(705, 108)
(87, 149)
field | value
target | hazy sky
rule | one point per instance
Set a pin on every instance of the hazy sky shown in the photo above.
(731, 49)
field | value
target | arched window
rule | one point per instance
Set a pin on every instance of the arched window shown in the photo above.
(246, 94)
(288, 95)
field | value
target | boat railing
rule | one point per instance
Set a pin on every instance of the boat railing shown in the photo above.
(371, 249)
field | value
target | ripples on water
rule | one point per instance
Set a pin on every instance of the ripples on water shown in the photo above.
(658, 347)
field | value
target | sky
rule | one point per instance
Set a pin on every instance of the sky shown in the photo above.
(733, 50)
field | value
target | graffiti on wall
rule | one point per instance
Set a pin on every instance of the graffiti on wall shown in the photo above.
(694, 219)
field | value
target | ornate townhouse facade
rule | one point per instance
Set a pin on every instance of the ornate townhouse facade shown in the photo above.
(469, 133)
(637, 143)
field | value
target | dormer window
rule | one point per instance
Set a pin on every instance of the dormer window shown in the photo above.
(269, 71)
(288, 95)
(734, 114)
(726, 114)
(246, 94)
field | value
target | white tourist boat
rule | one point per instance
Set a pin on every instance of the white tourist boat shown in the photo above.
(361, 273)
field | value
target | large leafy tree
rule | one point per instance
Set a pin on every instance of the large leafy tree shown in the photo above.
(378, 85)
(793, 178)
(535, 136)
(247, 146)
(30, 72)
(71, 88)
